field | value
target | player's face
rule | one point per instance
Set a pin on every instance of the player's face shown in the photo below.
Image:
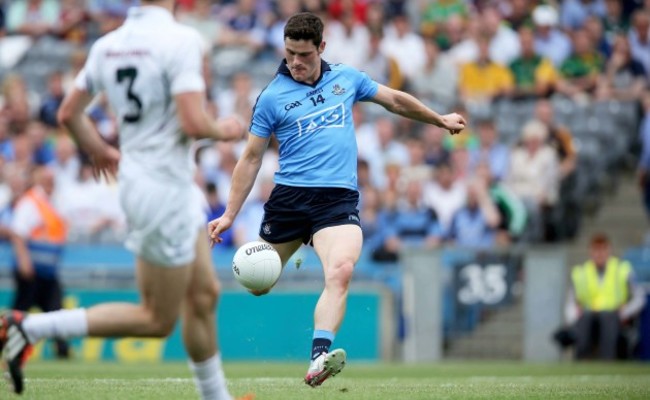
(303, 59)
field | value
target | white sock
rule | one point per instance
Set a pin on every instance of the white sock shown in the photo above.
(56, 324)
(210, 379)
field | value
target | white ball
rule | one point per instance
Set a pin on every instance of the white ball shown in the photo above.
(257, 265)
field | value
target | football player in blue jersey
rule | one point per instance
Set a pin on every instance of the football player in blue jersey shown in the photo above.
(308, 107)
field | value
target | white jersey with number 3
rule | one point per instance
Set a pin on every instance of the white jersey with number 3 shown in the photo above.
(140, 67)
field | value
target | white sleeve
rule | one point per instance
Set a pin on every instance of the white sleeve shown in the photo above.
(86, 79)
(186, 66)
(25, 219)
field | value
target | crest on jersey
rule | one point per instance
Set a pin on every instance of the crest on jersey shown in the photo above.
(267, 229)
(338, 90)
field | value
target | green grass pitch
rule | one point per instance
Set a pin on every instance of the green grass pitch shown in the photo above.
(274, 381)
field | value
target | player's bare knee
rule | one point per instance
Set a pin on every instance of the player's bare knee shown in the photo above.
(340, 275)
(161, 327)
(203, 301)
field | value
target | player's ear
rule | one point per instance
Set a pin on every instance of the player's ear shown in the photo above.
(321, 48)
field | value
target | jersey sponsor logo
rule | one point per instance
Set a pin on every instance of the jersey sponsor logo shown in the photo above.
(331, 117)
(314, 92)
(338, 90)
(292, 105)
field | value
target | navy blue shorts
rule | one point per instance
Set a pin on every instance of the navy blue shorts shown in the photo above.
(298, 212)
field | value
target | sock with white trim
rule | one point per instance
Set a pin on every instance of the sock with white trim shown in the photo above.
(210, 379)
(60, 324)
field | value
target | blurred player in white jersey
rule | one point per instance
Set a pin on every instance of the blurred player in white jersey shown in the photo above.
(151, 72)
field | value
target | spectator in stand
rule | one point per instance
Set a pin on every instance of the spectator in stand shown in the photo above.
(615, 22)
(243, 36)
(239, 99)
(534, 75)
(475, 224)
(594, 28)
(483, 81)
(436, 84)
(380, 67)
(504, 43)
(215, 208)
(376, 16)
(644, 161)
(550, 42)
(404, 45)
(445, 194)
(534, 177)
(275, 34)
(519, 14)
(511, 209)
(604, 298)
(19, 153)
(109, 14)
(575, 12)
(559, 138)
(436, 13)
(435, 152)
(639, 37)
(43, 148)
(347, 40)
(202, 18)
(67, 163)
(373, 217)
(53, 98)
(379, 147)
(72, 22)
(35, 18)
(625, 78)
(581, 71)
(413, 223)
(338, 9)
(490, 151)
(91, 209)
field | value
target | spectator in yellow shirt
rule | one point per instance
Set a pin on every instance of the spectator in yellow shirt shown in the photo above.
(484, 80)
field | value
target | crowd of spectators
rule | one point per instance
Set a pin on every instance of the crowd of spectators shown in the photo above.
(419, 186)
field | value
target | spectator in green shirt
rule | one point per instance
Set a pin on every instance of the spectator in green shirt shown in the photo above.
(581, 70)
(534, 75)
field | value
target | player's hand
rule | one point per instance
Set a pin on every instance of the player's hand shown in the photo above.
(105, 162)
(216, 227)
(231, 128)
(453, 122)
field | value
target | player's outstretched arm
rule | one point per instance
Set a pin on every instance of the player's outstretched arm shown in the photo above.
(196, 122)
(243, 178)
(72, 115)
(406, 105)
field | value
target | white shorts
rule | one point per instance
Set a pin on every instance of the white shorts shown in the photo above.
(163, 220)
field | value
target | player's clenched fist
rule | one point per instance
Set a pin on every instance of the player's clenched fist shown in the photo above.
(453, 122)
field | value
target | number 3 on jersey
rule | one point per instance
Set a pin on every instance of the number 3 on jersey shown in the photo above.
(130, 73)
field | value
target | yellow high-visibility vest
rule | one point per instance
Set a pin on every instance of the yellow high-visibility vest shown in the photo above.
(606, 294)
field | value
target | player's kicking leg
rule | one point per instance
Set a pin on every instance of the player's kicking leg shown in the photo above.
(338, 248)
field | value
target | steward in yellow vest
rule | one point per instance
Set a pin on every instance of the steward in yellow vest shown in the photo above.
(603, 299)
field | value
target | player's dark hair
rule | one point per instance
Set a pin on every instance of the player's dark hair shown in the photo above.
(304, 26)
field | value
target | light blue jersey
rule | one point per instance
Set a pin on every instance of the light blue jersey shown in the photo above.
(313, 124)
